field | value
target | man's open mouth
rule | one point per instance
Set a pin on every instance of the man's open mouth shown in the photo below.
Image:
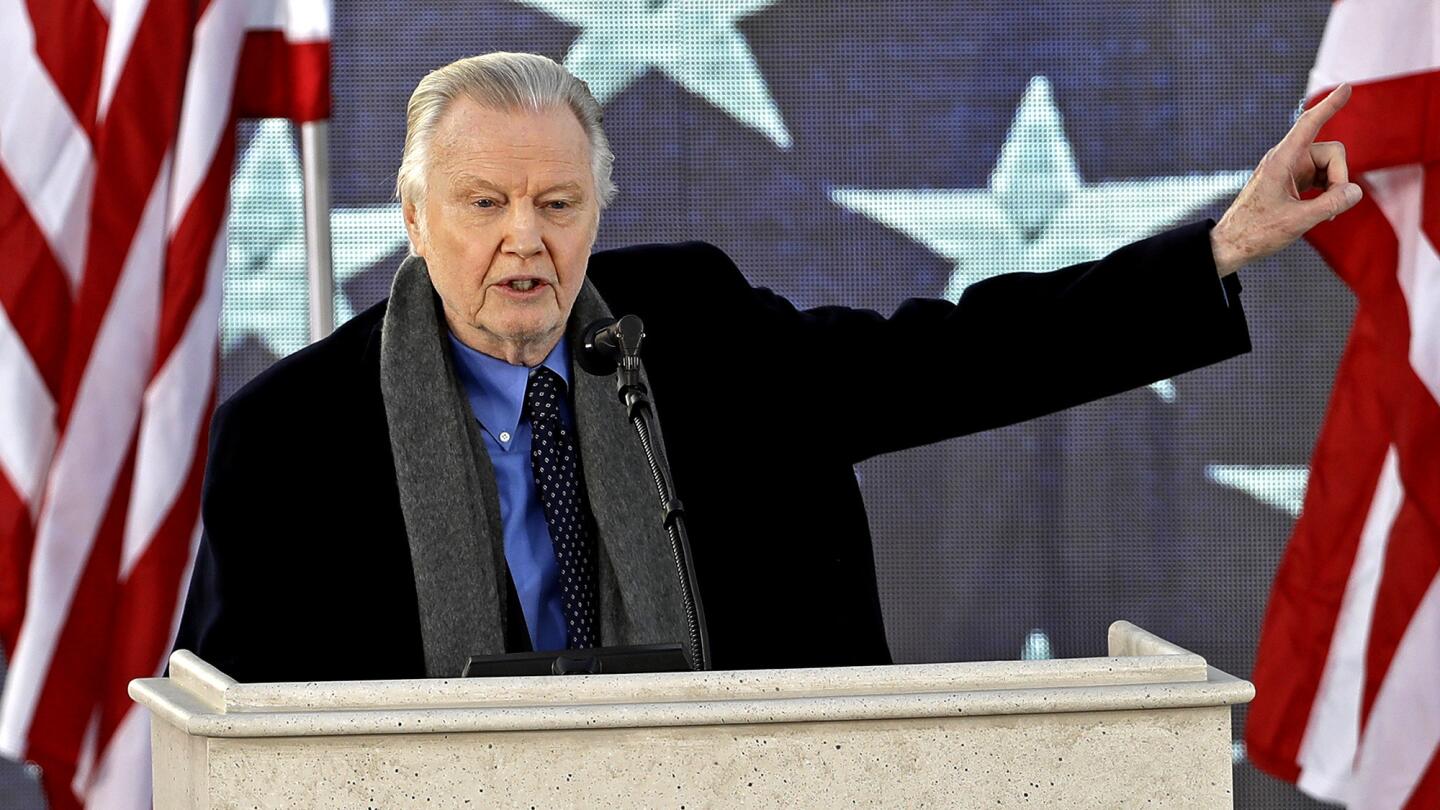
(524, 284)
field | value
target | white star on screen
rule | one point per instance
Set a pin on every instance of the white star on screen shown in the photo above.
(1279, 485)
(1036, 213)
(265, 284)
(693, 42)
(1037, 647)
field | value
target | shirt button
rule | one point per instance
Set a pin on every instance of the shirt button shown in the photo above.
(504, 437)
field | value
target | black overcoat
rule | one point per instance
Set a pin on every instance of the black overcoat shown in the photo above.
(304, 572)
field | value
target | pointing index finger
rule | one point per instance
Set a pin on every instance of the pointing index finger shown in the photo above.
(1308, 125)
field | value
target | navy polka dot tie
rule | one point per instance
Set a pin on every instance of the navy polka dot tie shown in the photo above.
(554, 461)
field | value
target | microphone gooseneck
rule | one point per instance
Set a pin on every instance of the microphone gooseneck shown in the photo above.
(610, 345)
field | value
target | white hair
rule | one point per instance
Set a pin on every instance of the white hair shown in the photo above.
(498, 81)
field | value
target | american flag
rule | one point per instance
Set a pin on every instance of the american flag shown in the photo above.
(117, 139)
(1348, 674)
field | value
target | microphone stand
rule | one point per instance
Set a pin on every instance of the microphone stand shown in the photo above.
(636, 399)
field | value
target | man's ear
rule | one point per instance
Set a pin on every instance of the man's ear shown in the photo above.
(412, 227)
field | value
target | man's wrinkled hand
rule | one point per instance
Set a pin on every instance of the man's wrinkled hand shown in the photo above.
(1269, 212)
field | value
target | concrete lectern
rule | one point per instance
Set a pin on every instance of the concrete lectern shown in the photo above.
(1148, 726)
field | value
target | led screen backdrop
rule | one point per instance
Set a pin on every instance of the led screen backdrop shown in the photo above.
(864, 153)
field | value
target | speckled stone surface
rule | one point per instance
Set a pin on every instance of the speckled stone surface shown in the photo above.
(183, 779)
(1147, 727)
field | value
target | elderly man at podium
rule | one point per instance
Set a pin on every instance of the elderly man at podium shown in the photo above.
(440, 477)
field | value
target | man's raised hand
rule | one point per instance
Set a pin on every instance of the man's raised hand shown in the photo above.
(1269, 213)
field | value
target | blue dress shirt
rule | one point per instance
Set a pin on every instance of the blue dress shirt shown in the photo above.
(496, 391)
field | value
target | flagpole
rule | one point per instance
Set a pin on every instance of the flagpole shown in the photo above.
(315, 169)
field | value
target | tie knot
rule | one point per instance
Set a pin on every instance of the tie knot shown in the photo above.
(543, 394)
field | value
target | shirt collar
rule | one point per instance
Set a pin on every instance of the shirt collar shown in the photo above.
(496, 389)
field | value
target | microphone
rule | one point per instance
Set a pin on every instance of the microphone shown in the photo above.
(606, 342)
(608, 345)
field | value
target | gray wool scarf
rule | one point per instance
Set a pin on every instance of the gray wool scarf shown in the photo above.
(451, 503)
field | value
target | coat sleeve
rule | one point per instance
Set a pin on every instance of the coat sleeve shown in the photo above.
(214, 623)
(241, 611)
(1015, 346)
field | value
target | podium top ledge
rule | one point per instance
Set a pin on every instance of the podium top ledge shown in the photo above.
(1142, 671)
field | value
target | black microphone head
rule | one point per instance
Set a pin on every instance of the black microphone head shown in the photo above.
(598, 355)
(629, 331)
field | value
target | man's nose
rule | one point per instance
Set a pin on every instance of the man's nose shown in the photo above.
(522, 232)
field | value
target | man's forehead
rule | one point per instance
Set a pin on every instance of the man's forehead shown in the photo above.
(552, 133)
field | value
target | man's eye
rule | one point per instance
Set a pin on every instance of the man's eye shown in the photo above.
(484, 203)
(557, 205)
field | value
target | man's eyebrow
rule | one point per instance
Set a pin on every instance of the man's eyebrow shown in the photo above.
(465, 182)
(569, 187)
(468, 181)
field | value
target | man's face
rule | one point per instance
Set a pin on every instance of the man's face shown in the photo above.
(509, 220)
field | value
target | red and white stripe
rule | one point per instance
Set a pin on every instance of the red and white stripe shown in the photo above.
(1348, 674)
(116, 147)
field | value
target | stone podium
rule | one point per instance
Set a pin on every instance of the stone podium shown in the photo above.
(1147, 726)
